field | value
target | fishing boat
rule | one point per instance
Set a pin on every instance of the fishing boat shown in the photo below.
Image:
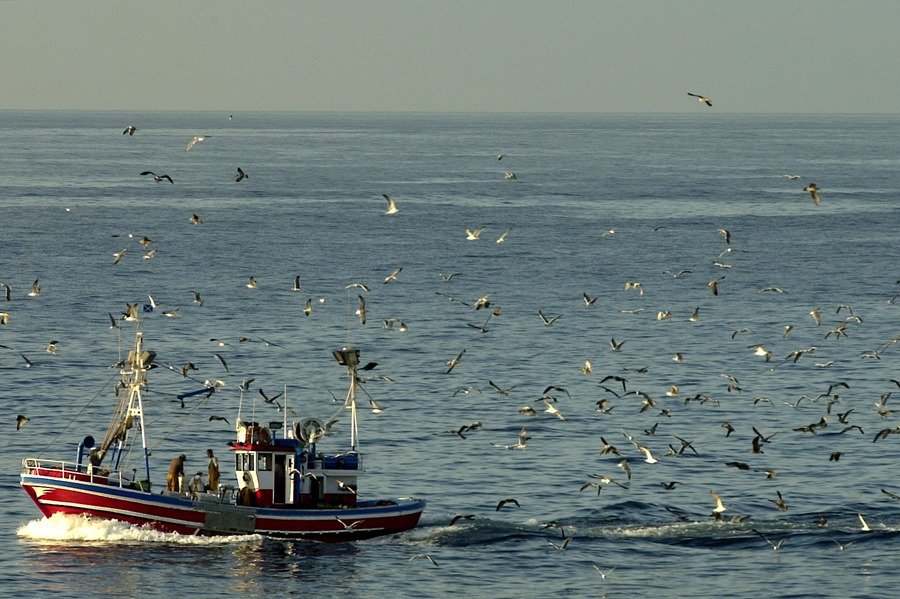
(285, 486)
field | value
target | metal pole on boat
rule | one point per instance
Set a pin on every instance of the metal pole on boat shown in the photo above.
(354, 429)
(136, 389)
(284, 425)
(349, 357)
(144, 438)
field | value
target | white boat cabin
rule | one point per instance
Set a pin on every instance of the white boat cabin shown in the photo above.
(288, 471)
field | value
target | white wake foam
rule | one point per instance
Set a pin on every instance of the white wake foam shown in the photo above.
(65, 527)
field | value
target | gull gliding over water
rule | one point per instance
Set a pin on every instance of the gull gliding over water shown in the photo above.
(454, 362)
(814, 192)
(548, 320)
(391, 204)
(194, 141)
(474, 234)
(720, 506)
(158, 178)
(701, 99)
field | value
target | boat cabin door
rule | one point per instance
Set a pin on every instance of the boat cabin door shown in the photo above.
(281, 468)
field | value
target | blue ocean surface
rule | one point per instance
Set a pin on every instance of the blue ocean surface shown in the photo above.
(597, 201)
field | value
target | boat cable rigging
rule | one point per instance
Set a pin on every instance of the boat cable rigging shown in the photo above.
(181, 421)
(74, 419)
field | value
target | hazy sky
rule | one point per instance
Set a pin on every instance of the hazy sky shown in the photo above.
(452, 55)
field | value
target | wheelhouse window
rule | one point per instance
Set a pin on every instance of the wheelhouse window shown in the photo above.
(243, 461)
(265, 461)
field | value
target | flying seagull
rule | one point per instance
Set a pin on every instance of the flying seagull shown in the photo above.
(130, 129)
(548, 320)
(775, 546)
(454, 362)
(720, 506)
(701, 99)
(459, 517)
(222, 361)
(864, 526)
(473, 234)
(814, 192)
(158, 178)
(194, 141)
(240, 175)
(361, 311)
(391, 204)
(424, 556)
(505, 501)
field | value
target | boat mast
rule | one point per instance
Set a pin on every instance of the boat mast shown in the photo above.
(129, 408)
(138, 362)
(349, 357)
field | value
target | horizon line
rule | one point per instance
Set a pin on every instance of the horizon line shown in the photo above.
(441, 112)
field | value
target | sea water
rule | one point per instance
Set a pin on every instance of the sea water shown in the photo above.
(598, 201)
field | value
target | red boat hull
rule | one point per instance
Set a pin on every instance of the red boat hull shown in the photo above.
(70, 493)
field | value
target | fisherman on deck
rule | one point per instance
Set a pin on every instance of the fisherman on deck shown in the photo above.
(213, 471)
(245, 495)
(175, 477)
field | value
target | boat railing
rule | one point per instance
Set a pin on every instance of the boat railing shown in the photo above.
(83, 472)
